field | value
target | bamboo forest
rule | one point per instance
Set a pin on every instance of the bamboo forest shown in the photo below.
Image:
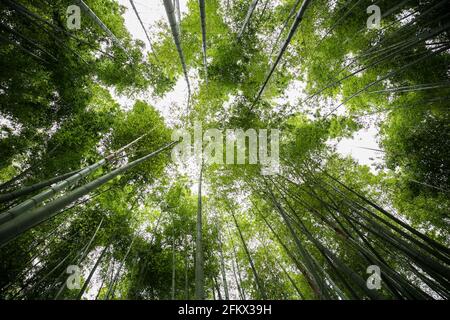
(224, 149)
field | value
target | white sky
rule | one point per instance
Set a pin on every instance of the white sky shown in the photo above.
(364, 138)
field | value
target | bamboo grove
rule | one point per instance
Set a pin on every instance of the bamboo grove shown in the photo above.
(87, 180)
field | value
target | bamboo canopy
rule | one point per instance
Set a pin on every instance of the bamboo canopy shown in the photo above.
(107, 192)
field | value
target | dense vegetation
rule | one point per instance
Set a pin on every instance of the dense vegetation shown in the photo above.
(153, 230)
